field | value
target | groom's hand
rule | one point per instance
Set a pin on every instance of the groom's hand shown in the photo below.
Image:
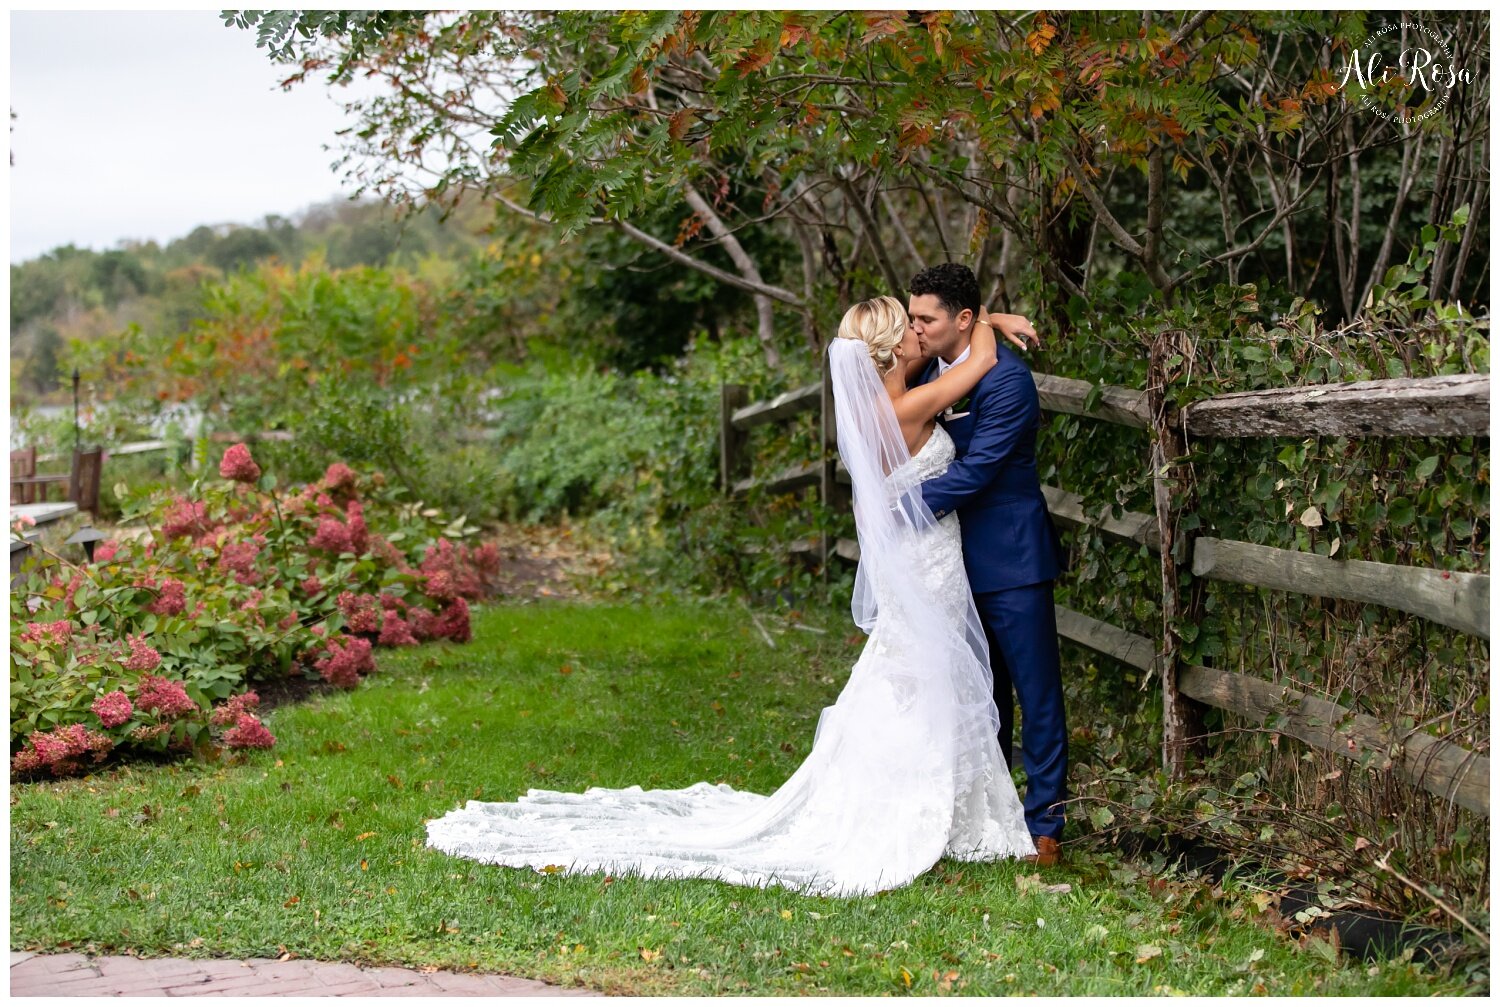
(1016, 329)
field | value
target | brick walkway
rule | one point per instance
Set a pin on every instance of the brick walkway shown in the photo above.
(37, 975)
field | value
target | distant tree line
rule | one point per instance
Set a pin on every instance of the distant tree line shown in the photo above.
(73, 293)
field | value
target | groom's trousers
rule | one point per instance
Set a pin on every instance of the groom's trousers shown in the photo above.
(1020, 624)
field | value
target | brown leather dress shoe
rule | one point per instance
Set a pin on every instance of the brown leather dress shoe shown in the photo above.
(1047, 854)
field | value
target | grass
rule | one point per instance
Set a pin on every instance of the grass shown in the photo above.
(317, 847)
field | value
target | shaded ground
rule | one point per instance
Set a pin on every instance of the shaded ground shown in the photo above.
(545, 562)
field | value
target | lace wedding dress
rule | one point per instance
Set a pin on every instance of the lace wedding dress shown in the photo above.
(905, 767)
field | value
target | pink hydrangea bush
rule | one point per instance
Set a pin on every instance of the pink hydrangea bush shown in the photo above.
(152, 646)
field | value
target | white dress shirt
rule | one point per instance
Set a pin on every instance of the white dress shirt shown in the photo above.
(943, 365)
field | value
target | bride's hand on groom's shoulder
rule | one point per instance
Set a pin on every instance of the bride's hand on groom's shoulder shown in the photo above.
(1017, 329)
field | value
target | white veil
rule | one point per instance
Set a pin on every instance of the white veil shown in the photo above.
(897, 580)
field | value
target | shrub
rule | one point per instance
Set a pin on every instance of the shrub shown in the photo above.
(150, 648)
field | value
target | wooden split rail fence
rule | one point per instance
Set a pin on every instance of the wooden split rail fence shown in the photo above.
(1446, 406)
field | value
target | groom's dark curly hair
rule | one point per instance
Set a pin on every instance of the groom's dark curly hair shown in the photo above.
(952, 283)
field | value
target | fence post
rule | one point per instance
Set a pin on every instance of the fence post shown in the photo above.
(1172, 494)
(733, 458)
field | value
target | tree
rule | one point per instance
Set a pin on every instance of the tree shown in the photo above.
(1190, 147)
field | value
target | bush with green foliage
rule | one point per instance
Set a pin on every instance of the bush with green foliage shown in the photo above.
(150, 646)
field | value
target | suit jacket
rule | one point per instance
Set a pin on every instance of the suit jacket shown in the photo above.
(1008, 536)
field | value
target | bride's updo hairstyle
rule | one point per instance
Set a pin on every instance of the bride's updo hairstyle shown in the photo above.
(880, 323)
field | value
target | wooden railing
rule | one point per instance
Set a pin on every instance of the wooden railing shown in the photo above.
(1446, 406)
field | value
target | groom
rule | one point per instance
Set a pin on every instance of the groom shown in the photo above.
(1011, 549)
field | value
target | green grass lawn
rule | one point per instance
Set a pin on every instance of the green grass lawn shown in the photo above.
(317, 846)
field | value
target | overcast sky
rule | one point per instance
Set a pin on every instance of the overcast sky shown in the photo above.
(145, 125)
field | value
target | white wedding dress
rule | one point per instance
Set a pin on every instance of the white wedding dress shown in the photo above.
(905, 767)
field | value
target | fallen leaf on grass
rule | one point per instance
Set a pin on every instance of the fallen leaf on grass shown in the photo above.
(289, 903)
(1146, 952)
(363, 836)
(649, 955)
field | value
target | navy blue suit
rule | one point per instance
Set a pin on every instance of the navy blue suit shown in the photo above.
(1012, 554)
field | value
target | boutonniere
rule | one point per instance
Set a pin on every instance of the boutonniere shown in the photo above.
(959, 408)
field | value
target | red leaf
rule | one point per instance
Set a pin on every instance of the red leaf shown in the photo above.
(883, 22)
(758, 59)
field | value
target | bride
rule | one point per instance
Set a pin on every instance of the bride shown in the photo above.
(905, 766)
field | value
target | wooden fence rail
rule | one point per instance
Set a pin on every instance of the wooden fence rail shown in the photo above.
(1450, 771)
(1445, 406)
(1450, 597)
(1440, 767)
(1449, 405)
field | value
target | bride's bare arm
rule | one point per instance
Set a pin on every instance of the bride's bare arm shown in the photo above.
(922, 403)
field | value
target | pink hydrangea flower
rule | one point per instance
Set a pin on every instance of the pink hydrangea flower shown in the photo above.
(61, 749)
(312, 586)
(171, 598)
(439, 586)
(469, 571)
(231, 709)
(342, 664)
(249, 732)
(339, 476)
(361, 612)
(239, 558)
(238, 465)
(164, 696)
(359, 534)
(332, 536)
(113, 708)
(106, 551)
(57, 633)
(143, 657)
(396, 631)
(452, 623)
(185, 517)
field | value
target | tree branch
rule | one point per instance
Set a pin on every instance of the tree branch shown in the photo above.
(765, 316)
(673, 253)
(867, 221)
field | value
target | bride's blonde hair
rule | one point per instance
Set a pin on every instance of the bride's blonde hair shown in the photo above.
(881, 323)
